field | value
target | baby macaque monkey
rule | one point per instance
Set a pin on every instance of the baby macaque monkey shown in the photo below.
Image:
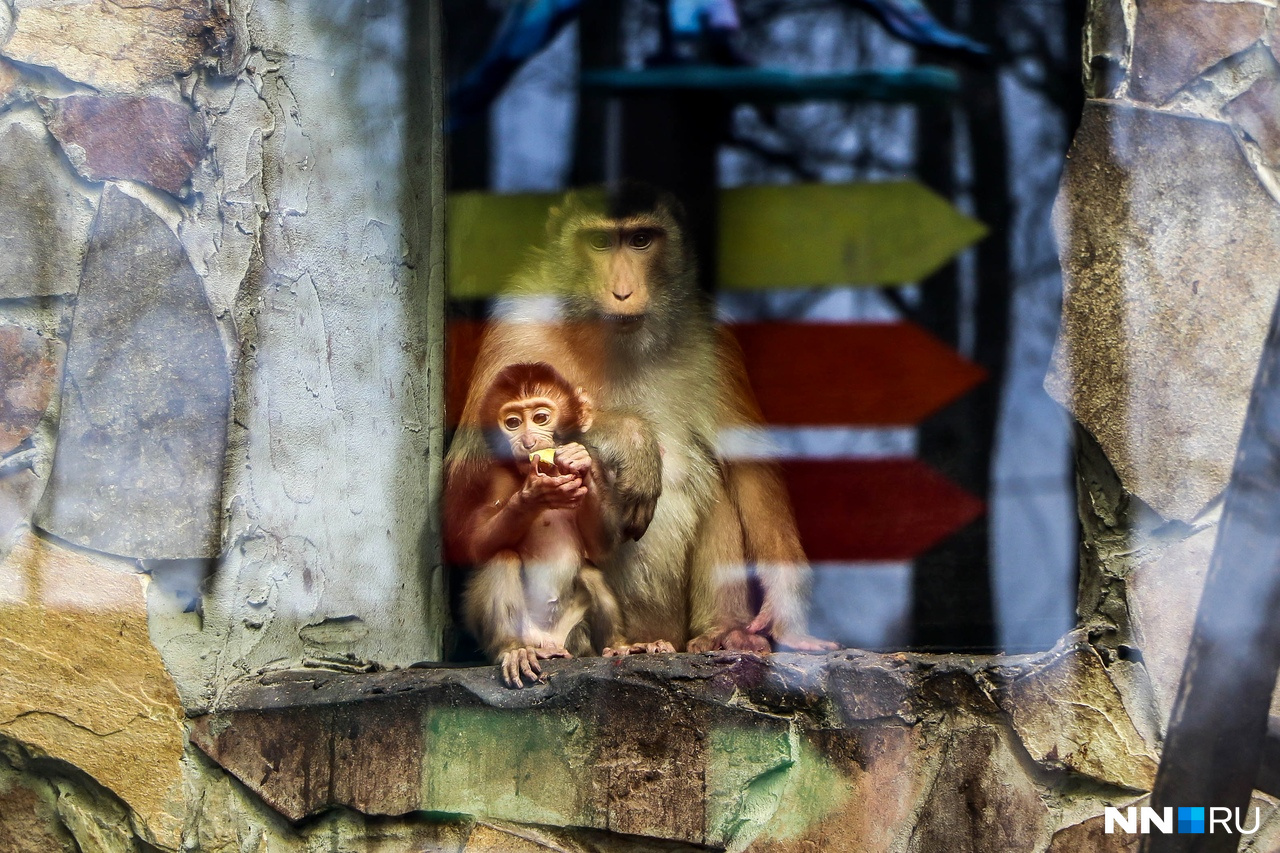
(538, 539)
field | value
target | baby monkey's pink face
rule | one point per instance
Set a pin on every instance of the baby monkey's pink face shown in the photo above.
(529, 425)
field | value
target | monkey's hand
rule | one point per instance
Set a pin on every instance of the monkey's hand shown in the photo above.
(788, 638)
(522, 663)
(574, 459)
(729, 640)
(661, 647)
(552, 491)
(629, 464)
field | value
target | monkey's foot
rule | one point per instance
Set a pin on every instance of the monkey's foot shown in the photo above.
(661, 647)
(732, 640)
(522, 663)
(805, 643)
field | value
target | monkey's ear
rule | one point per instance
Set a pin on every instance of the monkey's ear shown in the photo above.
(586, 407)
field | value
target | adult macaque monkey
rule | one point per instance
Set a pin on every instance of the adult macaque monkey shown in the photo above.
(612, 304)
(537, 537)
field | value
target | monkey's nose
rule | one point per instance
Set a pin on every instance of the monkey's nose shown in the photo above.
(621, 297)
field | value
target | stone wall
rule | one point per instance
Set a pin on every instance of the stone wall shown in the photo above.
(221, 321)
(1169, 231)
(220, 339)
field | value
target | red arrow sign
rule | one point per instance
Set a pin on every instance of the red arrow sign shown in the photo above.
(874, 509)
(860, 374)
(811, 374)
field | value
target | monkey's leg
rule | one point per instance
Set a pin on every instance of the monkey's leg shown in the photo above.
(719, 595)
(495, 610)
(773, 545)
(603, 615)
(626, 446)
(493, 604)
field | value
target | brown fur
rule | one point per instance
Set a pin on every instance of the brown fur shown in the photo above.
(538, 595)
(665, 386)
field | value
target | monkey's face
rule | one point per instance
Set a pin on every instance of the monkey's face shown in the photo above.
(529, 425)
(622, 261)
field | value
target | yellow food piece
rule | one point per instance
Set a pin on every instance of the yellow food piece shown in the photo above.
(547, 456)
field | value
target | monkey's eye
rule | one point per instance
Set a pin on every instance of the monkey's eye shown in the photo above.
(640, 240)
(599, 240)
(541, 418)
(512, 423)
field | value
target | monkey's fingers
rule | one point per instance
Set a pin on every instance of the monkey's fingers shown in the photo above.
(529, 666)
(656, 648)
(637, 518)
(518, 664)
(552, 651)
(732, 640)
(574, 458)
(738, 640)
(510, 668)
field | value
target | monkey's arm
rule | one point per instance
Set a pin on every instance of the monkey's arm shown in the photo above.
(628, 472)
(503, 521)
(597, 538)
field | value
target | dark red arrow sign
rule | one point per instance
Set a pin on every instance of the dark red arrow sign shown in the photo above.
(860, 374)
(874, 509)
(811, 374)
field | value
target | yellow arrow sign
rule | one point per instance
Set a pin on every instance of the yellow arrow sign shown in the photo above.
(799, 235)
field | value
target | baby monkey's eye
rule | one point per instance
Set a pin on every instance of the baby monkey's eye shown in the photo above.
(541, 418)
(640, 240)
(599, 240)
(512, 423)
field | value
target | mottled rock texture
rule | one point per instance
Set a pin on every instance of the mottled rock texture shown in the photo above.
(10, 79)
(30, 366)
(138, 467)
(80, 681)
(1089, 732)
(46, 215)
(1174, 41)
(1257, 113)
(29, 816)
(1163, 592)
(848, 751)
(152, 140)
(121, 47)
(1090, 836)
(1169, 245)
(1107, 42)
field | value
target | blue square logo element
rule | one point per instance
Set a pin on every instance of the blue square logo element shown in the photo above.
(1191, 820)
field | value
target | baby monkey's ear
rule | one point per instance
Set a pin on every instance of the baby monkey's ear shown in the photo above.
(587, 408)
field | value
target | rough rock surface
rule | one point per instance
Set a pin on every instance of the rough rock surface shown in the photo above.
(1169, 245)
(29, 816)
(1163, 594)
(46, 215)
(151, 140)
(847, 751)
(1176, 40)
(1084, 734)
(80, 681)
(118, 47)
(10, 79)
(1090, 836)
(1257, 113)
(29, 369)
(138, 467)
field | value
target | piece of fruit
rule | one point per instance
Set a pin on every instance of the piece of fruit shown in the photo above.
(543, 458)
